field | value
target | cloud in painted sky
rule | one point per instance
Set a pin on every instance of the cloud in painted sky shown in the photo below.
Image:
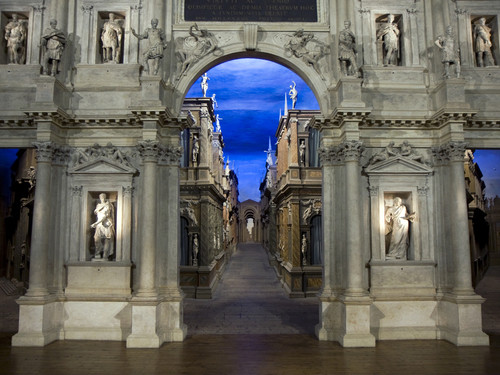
(250, 94)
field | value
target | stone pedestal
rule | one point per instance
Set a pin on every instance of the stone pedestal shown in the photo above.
(451, 94)
(355, 322)
(152, 91)
(460, 320)
(39, 322)
(349, 93)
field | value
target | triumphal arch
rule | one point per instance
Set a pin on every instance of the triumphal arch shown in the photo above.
(96, 87)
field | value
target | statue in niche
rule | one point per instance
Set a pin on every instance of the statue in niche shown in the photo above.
(104, 229)
(482, 39)
(196, 249)
(347, 51)
(111, 38)
(293, 94)
(204, 84)
(303, 249)
(157, 44)
(196, 150)
(397, 225)
(302, 153)
(450, 53)
(199, 43)
(16, 34)
(300, 45)
(389, 33)
(54, 41)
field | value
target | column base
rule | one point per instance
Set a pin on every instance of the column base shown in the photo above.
(40, 322)
(460, 320)
(346, 320)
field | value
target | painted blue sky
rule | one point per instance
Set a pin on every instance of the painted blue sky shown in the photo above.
(250, 94)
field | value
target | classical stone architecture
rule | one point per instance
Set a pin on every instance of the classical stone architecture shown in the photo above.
(291, 205)
(400, 131)
(208, 196)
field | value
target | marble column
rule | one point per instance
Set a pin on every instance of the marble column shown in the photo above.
(351, 153)
(41, 221)
(462, 281)
(147, 253)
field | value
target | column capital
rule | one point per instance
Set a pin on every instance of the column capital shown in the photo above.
(149, 150)
(44, 151)
(351, 150)
(452, 151)
(170, 154)
(329, 155)
(76, 191)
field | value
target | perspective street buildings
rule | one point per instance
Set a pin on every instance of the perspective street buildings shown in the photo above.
(123, 204)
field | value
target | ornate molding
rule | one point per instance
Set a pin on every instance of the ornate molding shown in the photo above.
(76, 191)
(94, 152)
(188, 211)
(312, 207)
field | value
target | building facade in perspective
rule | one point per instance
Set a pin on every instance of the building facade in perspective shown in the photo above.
(404, 89)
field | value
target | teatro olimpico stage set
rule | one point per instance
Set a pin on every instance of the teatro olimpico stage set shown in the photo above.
(97, 87)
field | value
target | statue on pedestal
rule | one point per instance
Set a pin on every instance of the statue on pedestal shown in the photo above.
(104, 229)
(347, 51)
(111, 38)
(450, 53)
(389, 33)
(54, 41)
(15, 35)
(157, 44)
(482, 38)
(397, 220)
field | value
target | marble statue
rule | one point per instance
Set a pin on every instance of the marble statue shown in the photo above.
(104, 228)
(53, 41)
(385, 154)
(157, 43)
(482, 39)
(347, 51)
(16, 35)
(389, 33)
(397, 220)
(214, 101)
(293, 94)
(199, 43)
(111, 38)
(196, 150)
(302, 153)
(196, 249)
(298, 46)
(217, 123)
(204, 84)
(31, 172)
(449, 51)
(303, 249)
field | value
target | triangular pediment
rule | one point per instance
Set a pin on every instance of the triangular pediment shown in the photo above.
(102, 165)
(398, 165)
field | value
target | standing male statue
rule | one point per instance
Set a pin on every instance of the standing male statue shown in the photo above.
(482, 38)
(347, 51)
(450, 53)
(204, 84)
(111, 38)
(15, 34)
(157, 44)
(104, 228)
(389, 33)
(53, 40)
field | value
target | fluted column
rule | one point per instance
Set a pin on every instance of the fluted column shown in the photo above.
(147, 253)
(41, 221)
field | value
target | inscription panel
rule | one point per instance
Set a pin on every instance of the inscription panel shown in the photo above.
(251, 10)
